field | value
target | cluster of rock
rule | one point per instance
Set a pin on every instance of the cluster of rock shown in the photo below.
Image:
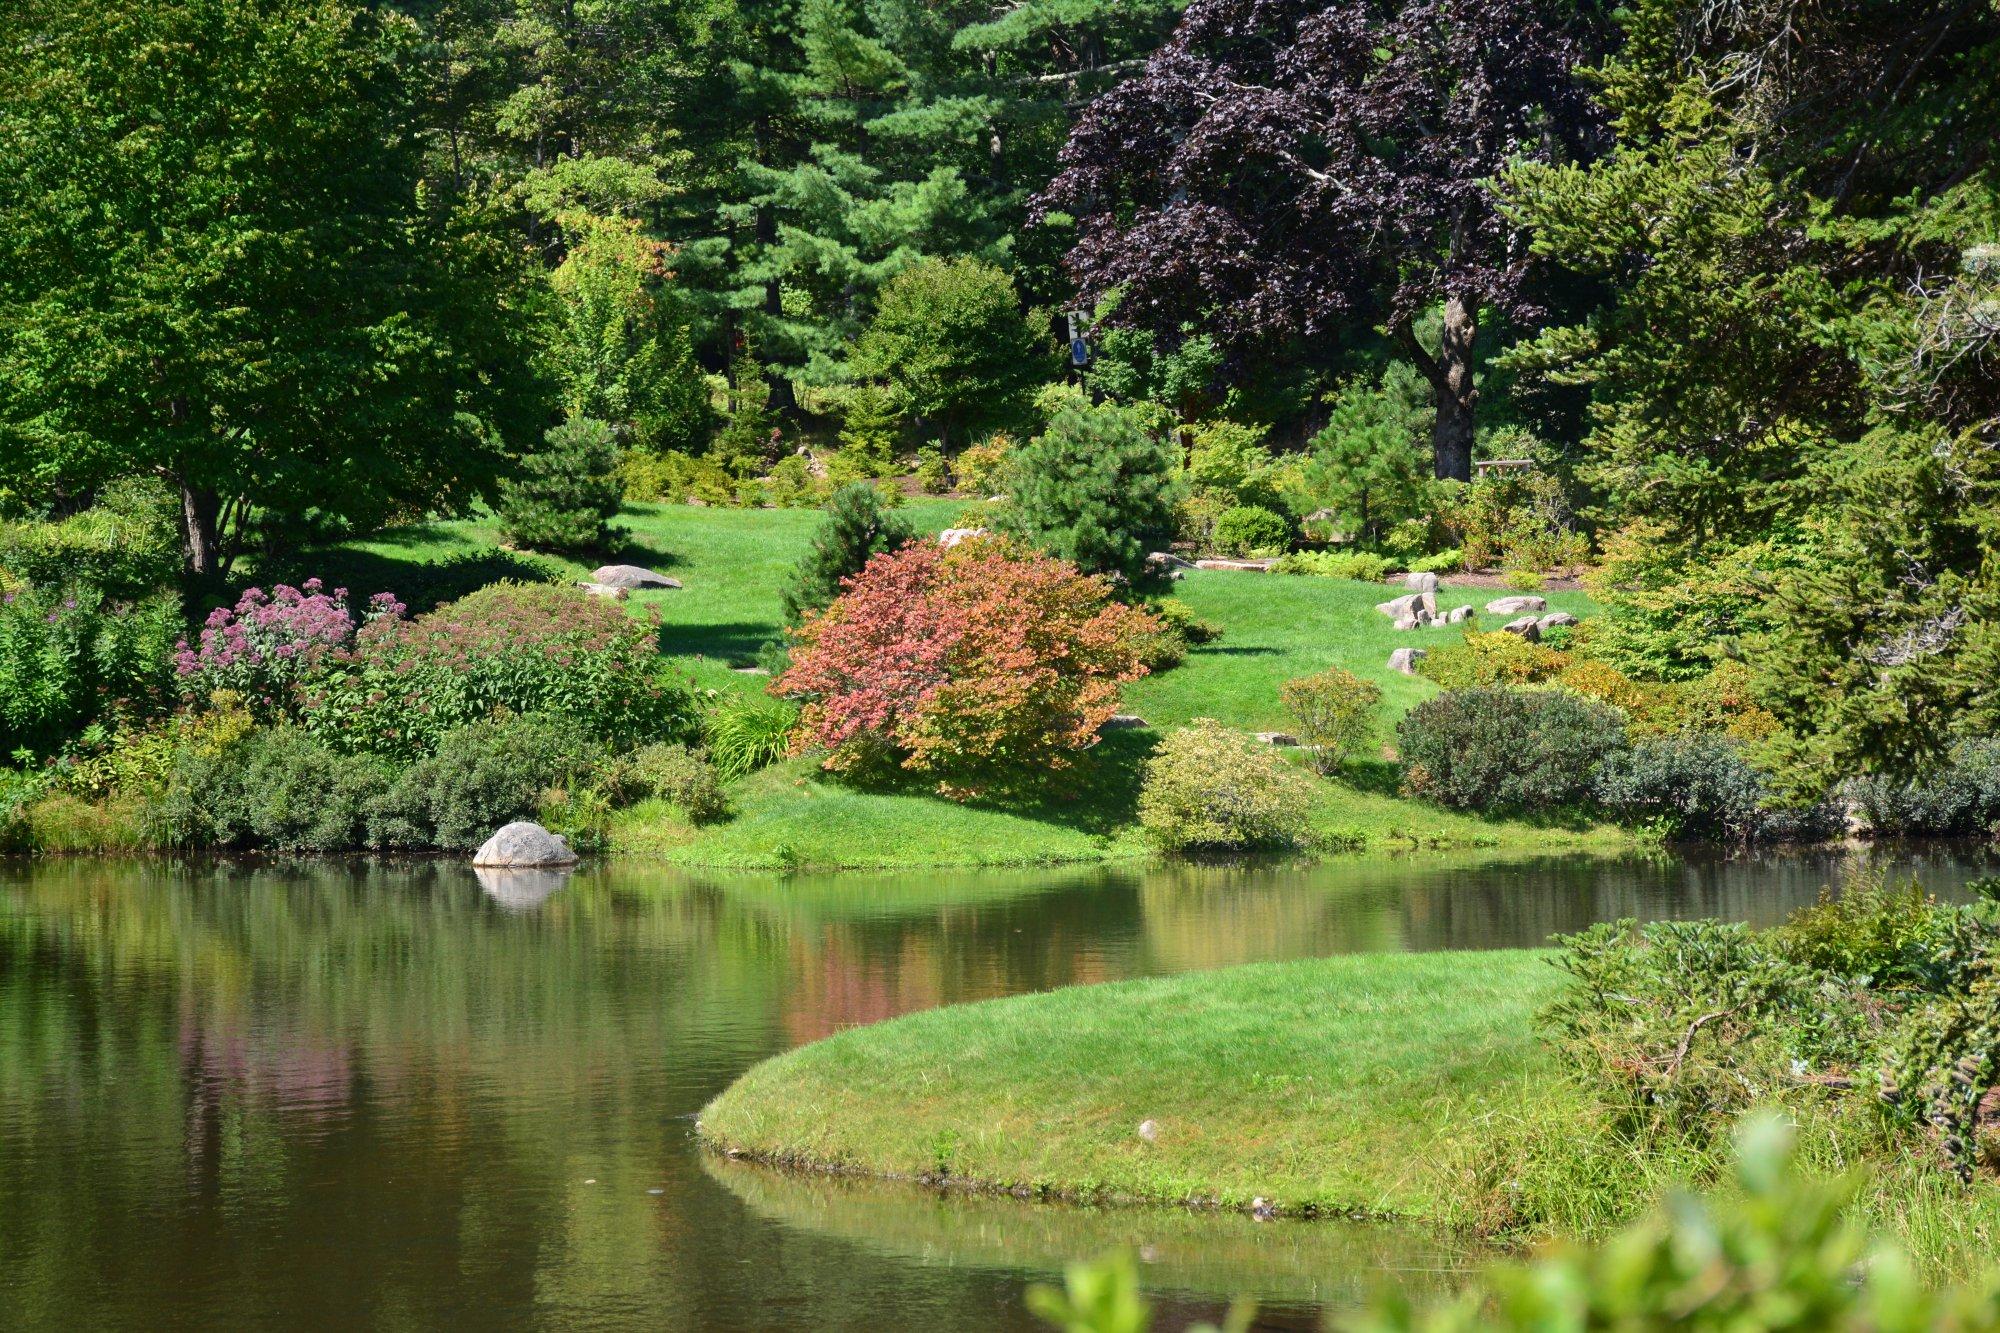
(951, 537)
(617, 581)
(1418, 609)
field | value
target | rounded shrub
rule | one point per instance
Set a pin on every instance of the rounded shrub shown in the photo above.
(509, 648)
(1498, 749)
(668, 772)
(1961, 797)
(1701, 785)
(1209, 787)
(279, 788)
(1096, 489)
(481, 777)
(1333, 712)
(981, 663)
(1249, 528)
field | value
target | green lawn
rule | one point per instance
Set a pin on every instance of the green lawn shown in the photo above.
(1277, 627)
(733, 562)
(1356, 1084)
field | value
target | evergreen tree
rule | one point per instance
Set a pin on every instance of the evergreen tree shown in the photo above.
(857, 526)
(565, 493)
(869, 425)
(1096, 489)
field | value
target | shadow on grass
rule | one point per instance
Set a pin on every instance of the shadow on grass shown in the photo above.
(1377, 777)
(732, 642)
(422, 585)
(1225, 650)
(1098, 796)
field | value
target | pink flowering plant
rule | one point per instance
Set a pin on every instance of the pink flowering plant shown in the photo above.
(271, 646)
(507, 649)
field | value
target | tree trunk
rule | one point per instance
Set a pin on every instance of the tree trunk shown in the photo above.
(201, 537)
(1451, 434)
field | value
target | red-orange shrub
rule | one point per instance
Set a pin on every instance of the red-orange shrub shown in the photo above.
(981, 663)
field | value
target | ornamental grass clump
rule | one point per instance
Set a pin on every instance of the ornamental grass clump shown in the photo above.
(981, 665)
(1210, 788)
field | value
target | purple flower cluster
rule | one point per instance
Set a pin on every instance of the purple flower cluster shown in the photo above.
(269, 641)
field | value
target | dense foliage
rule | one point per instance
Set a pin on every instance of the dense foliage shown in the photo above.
(1095, 488)
(566, 492)
(1499, 749)
(978, 664)
(858, 527)
(1209, 788)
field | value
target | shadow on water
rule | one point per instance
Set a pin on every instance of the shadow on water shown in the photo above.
(340, 1093)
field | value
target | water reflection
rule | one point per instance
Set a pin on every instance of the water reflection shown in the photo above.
(339, 1094)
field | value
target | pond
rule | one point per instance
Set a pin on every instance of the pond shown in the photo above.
(335, 1094)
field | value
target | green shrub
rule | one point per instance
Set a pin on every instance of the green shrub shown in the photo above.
(1523, 580)
(1448, 561)
(1248, 529)
(1209, 787)
(127, 545)
(668, 772)
(1959, 797)
(933, 477)
(566, 492)
(948, 335)
(1095, 489)
(480, 777)
(71, 656)
(1333, 712)
(1227, 460)
(1496, 749)
(280, 788)
(745, 735)
(857, 526)
(792, 484)
(511, 648)
(1365, 566)
(1482, 659)
(982, 466)
(1701, 785)
(1180, 630)
(870, 422)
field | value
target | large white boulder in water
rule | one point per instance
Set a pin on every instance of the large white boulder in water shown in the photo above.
(524, 843)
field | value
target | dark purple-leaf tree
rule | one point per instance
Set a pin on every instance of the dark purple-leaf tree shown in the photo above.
(1284, 168)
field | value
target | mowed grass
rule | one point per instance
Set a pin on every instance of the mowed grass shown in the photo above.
(1278, 627)
(733, 564)
(1352, 1085)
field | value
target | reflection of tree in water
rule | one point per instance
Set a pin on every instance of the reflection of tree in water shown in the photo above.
(347, 1092)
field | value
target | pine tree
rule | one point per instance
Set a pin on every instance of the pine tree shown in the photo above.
(857, 527)
(869, 428)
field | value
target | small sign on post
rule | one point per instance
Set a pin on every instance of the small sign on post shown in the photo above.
(1079, 344)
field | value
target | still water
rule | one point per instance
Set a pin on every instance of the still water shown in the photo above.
(330, 1095)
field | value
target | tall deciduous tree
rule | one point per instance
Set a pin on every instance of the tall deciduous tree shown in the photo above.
(1284, 169)
(219, 262)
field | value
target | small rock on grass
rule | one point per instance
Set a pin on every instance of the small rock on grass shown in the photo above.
(1405, 660)
(1514, 606)
(631, 576)
(1281, 738)
(1122, 721)
(1149, 1130)
(612, 591)
(1527, 627)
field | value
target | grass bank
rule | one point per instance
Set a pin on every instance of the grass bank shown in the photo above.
(732, 564)
(1350, 1085)
(1405, 1086)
